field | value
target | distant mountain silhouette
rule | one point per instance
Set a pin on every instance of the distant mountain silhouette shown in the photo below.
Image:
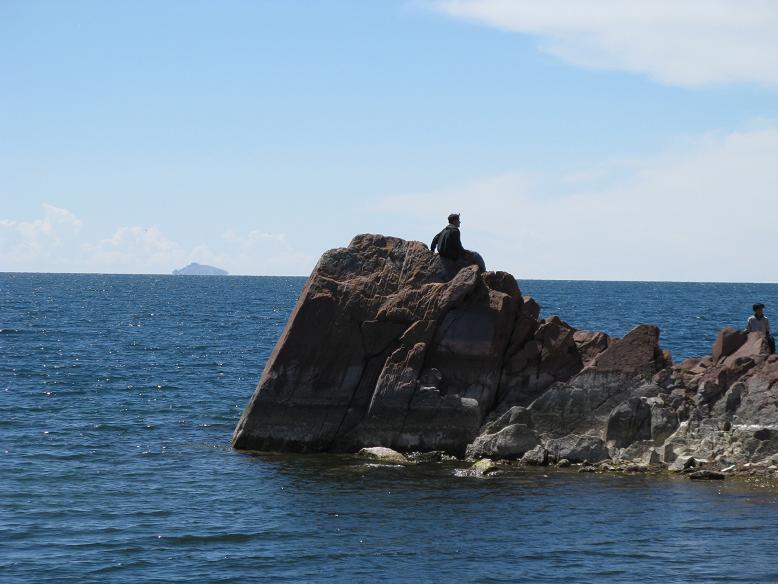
(195, 269)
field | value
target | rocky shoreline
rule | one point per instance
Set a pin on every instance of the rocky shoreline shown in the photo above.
(391, 346)
(758, 474)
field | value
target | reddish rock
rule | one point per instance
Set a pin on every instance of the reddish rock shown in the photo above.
(755, 347)
(728, 341)
(392, 346)
(590, 345)
(531, 308)
(323, 373)
(638, 353)
(503, 282)
(372, 320)
(551, 355)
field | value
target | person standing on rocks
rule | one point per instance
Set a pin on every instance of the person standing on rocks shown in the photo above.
(758, 323)
(449, 244)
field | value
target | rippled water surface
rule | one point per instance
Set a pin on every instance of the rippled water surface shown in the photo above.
(118, 395)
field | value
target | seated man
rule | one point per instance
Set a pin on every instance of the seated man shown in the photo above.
(450, 247)
(759, 324)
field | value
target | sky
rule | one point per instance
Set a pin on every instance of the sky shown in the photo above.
(579, 139)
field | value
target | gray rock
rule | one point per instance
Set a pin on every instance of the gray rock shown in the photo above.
(538, 456)
(629, 422)
(481, 468)
(512, 441)
(707, 475)
(383, 454)
(576, 448)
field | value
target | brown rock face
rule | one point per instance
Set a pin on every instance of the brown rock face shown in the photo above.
(391, 346)
(388, 345)
(637, 353)
(728, 341)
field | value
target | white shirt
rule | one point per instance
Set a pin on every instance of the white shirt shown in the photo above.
(758, 325)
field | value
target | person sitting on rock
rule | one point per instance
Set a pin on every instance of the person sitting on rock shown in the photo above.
(758, 323)
(449, 244)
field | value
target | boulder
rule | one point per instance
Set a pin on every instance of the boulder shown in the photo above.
(509, 442)
(707, 475)
(507, 437)
(575, 448)
(590, 345)
(481, 468)
(638, 353)
(629, 422)
(755, 347)
(727, 342)
(322, 382)
(538, 456)
(383, 455)
(551, 355)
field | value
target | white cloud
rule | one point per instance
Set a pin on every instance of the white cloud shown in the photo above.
(260, 252)
(148, 250)
(705, 210)
(55, 243)
(134, 250)
(679, 42)
(22, 243)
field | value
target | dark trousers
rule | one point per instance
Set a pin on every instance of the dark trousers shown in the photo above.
(475, 257)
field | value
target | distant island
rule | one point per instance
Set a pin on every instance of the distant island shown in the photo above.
(195, 269)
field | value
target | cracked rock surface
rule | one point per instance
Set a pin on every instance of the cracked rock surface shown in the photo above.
(392, 346)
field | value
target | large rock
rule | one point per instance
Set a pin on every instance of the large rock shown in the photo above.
(638, 353)
(728, 341)
(629, 422)
(507, 437)
(390, 346)
(356, 365)
(381, 454)
(590, 345)
(576, 448)
(532, 365)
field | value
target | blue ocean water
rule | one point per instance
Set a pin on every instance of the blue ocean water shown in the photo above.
(118, 396)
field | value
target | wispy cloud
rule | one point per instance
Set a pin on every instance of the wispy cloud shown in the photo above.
(24, 241)
(687, 43)
(260, 252)
(134, 249)
(55, 243)
(704, 210)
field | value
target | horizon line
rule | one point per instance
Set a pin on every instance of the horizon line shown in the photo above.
(529, 279)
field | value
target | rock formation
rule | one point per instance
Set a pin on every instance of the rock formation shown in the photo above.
(392, 346)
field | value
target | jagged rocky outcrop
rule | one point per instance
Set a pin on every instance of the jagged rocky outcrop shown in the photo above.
(392, 346)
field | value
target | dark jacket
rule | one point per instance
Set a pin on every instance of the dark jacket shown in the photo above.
(448, 243)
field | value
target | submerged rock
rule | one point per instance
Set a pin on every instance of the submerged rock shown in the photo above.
(392, 346)
(383, 454)
(481, 468)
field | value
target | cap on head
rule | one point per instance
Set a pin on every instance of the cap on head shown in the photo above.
(757, 306)
(453, 217)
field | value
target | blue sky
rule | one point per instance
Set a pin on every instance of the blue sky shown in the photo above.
(578, 139)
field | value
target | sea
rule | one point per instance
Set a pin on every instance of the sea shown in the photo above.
(119, 394)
